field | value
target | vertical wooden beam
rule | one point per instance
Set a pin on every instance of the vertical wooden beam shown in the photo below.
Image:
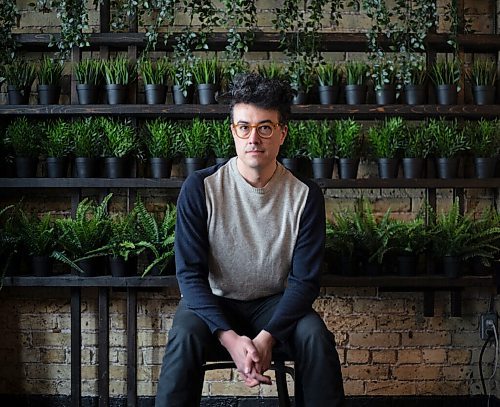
(131, 347)
(456, 303)
(105, 16)
(76, 56)
(76, 343)
(428, 303)
(103, 348)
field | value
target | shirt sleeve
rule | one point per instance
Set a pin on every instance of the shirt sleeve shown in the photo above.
(304, 278)
(191, 254)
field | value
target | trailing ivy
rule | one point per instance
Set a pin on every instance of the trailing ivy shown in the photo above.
(9, 16)
(74, 21)
(456, 26)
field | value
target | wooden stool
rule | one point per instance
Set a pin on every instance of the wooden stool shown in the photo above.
(278, 365)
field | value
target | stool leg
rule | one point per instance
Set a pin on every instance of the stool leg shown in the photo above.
(280, 373)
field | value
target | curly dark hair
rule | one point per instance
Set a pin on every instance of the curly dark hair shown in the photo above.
(265, 93)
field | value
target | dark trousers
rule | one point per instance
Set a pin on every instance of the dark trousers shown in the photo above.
(318, 378)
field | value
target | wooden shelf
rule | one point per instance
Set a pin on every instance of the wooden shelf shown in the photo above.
(221, 111)
(176, 183)
(394, 282)
(268, 41)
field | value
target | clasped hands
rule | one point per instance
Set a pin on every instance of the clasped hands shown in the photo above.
(252, 357)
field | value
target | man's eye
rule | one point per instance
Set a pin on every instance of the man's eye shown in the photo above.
(265, 128)
(243, 127)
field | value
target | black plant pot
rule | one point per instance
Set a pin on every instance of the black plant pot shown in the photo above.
(484, 95)
(386, 95)
(322, 167)
(447, 168)
(121, 268)
(371, 269)
(346, 266)
(291, 164)
(48, 94)
(117, 94)
(91, 267)
(407, 265)
(160, 167)
(57, 167)
(328, 95)
(26, 167)
(87, 167)
(18, 96)
(87, 94)
(446, 94)
(193, 164)
(156, 94)
(41, 265)
(115, 167)
(413, 167)
(451, 266)
(485, 166)
(355, 94)
(206, 93)
(388, 167)
(414, 94)
(348, 168)
(299, 97)
(178, 95)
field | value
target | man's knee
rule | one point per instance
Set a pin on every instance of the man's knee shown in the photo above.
(189, 327)
(312, 331)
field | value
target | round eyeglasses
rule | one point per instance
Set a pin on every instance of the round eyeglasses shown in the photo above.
(264, 130)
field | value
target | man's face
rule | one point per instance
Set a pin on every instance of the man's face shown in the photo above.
(256, 152)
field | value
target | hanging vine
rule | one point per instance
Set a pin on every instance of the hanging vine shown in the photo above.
(451, 16)
(9, 16)
(74, 23)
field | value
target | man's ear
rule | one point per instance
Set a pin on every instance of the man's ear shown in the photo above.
(284, 132)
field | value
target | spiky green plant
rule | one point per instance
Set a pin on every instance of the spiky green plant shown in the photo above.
(83, 234)
(155, 72)
(119, 138)
(329, 74)
(347, 138)
(483, 73)
(448, 139)
(484, 137)
(386, 138)
(38, 234)
(24, 137)
(159, 234)
(118, 71)
(409, 237)
(20, 74)
(161, 140)
(195, 139)
(446, 72)
(50, 71)
(222, 142)
(295, 141)
(207, 71)
(356, 72)
(272, 70)
(417, 142)
(89, 71)
(88, 137)
(58, 140)
(319, 142)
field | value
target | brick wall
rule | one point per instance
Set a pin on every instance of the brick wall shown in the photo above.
(386, 345)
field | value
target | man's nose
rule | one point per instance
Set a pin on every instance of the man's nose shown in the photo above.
(254, 136)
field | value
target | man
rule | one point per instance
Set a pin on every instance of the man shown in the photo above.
(249, 246)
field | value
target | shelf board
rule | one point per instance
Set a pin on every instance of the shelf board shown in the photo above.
(176, 183)
(394, 282)
(221, 111)
(270, 41)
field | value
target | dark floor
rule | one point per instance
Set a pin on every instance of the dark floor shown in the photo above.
(65, 401)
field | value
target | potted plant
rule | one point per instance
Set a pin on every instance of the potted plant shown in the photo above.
(182, 78)
(446, 77)
(82, 235)
(300, 74)
(271, 70)
(89, 75)
(194, 144)
(119, 141)
(38, 238)
(19, 75)
(161, 144)
(482, 76)
(57, 145)
(414, 82)
(385, 74)
(385, 141)
(160, 235)
(207, 74)
(416, 146)
(222, 141)
(87, 136)
(348, 141)
(319, 147)
(340, 242)
(329, 79)
(6, 155)
(448, 141)
(118, 73)
(154, 75)
(23, 136)
(49, 81)
(356, 74)
(10, 241)
(293, 148)
(484, 143)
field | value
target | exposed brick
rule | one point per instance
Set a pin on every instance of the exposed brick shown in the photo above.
(416, 372)
(378, 307)
(441, 388)
(434, 356)
(354, 387)
(376, 340)
(52, 355)
(366, 372)
(458, 372)
(426, 338)
(390, 388)
(459, 356)
(51, 339)
(232, 388)
(354, 323)
(356, 356)
(384, 356)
